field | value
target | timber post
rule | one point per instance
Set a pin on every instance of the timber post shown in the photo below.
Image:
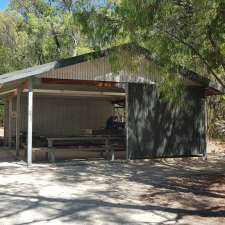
(18, 122)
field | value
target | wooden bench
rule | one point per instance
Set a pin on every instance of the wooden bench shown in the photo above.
(108, 147)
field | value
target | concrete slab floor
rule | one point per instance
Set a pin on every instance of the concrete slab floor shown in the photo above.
(173, 191)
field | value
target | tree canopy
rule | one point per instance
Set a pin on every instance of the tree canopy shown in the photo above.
(36, 32)
(190, 33)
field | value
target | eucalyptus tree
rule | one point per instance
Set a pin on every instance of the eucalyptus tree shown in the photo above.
(190, 33)
(186, 32)
(12, 42)
(51, 29)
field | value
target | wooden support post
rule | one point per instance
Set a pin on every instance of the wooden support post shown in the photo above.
(50, 143)
(18, 122)
(6, 121)
(107, 148)
(51, 155)
(30, 123)
(205, 156)
(10, 122)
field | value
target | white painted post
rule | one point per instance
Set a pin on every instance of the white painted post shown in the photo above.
(30, 123)
(10, 123)
(18, 122)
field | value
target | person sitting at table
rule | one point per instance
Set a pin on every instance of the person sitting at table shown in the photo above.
(110, 123)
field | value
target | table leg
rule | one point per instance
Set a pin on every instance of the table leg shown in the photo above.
(113, 153)
(107, 148)
(51, 155)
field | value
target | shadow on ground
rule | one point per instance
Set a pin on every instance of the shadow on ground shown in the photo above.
(173, 191)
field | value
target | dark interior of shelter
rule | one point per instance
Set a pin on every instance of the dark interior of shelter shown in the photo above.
(87, 121)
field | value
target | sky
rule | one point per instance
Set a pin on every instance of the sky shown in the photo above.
(3, 4)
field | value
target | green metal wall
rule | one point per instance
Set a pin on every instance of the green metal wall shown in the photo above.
(160, 129)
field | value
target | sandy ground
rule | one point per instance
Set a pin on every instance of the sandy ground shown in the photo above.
(172, 191)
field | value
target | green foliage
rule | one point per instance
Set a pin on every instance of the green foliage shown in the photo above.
(172, 88)
(8, 38)
(36, 32)
(190, 33)
(216, 116)
(128, 60)
(52, 32)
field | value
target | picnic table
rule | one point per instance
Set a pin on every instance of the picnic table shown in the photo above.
(107, 143)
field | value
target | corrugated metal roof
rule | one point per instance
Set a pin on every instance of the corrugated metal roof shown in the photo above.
(25, 73)
(40, 69)
(82, 68)
(79, 67)
(100, 70)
